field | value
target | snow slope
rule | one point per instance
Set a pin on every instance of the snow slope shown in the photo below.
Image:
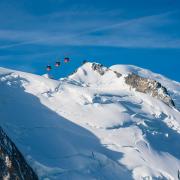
(91, 126)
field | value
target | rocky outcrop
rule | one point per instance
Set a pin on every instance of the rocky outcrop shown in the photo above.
(99, 68)
(118, 75)
(149, 86)
(102, 69)
(12, 164)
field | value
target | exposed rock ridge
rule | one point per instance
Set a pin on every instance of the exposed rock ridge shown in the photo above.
(99, 68)
(149, 86)
(102, 69)
(12, 164)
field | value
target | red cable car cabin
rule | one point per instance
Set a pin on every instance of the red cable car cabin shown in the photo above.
(48, 68)
(58, 63)
(66, 59)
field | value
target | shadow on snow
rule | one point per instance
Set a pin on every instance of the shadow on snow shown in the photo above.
(51, 139)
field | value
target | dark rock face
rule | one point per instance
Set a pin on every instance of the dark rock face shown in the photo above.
(149, 86)
(118, 75)
(99, 68)
(12, 164)
(102, 69)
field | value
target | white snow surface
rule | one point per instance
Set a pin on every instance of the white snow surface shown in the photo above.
(88, 126)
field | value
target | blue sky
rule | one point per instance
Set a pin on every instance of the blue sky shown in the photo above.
(139, 32)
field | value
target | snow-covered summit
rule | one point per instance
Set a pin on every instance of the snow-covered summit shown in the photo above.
(93, 124)
(93, 74)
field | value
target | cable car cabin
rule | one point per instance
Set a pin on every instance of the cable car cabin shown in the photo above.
(66, 59)
(58, 63)
(48, 68)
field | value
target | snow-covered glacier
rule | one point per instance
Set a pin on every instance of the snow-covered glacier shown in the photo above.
(116, 123)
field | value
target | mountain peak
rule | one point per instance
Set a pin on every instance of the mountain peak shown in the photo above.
(93, 73)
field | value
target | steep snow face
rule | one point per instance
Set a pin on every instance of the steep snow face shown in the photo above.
(92, 125)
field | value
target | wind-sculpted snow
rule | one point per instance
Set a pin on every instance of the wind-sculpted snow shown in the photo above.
(91, 125)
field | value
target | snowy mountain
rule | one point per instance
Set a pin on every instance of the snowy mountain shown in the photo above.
(116, 123)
